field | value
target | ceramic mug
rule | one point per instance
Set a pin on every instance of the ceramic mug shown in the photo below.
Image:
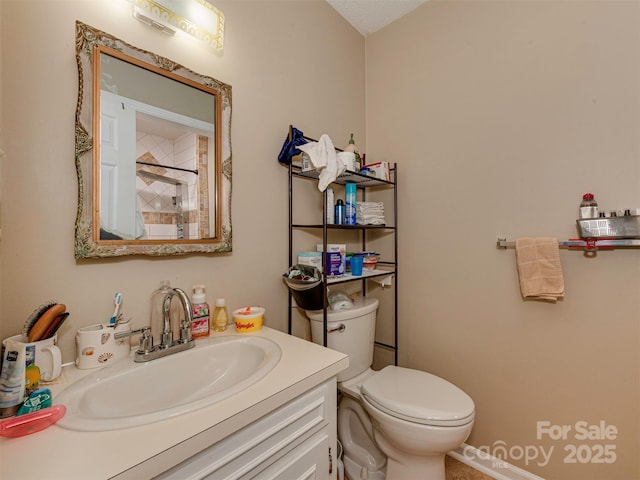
(45, 354)
(96, 345)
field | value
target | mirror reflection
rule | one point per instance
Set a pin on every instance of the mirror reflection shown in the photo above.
(153, 153)
(157, 155)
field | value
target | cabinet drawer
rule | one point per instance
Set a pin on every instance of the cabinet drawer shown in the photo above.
(307, 462)
(257, 446)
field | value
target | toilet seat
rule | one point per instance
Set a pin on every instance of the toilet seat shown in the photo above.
(353, 386)
(418, 397)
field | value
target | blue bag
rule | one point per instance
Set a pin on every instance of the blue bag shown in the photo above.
(289, 148)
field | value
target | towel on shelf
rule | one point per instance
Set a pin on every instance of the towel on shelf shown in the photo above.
(370, 213)
(538, 262)
(323, 157)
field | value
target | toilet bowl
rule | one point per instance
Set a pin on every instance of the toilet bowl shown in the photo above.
(417, 419)
(397, 423)
(360, 455)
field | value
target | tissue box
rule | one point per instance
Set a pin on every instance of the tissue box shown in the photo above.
(313, 259)
(380, 170)
(336, 259)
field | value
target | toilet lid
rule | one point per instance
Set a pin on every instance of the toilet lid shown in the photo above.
(418, 397)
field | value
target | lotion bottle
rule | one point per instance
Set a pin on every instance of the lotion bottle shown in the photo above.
(200, 325)
(220, 317)
(351, 147)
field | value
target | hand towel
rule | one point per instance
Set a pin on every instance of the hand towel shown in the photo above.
(324, 159)
(538, 262)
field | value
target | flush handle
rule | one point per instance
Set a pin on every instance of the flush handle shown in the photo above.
(339, 328)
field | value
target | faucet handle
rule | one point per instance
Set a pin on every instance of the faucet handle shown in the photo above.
(129, 333)
(185, 332)
(146, 341)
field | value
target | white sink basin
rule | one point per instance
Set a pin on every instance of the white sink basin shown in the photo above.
(128, 394)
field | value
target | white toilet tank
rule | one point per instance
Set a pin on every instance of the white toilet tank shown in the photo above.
(355, 339)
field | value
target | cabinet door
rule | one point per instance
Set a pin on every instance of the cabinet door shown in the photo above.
(276, 437)
(310, 461)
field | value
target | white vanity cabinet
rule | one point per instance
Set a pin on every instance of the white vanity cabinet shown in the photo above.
(281, 427)
(295, 441)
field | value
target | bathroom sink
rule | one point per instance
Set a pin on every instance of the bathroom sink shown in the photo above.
(128, 394)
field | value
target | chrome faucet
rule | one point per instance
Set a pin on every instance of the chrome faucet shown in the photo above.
(166, 339)
(146, 351)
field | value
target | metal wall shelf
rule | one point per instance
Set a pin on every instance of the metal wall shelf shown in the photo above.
(587, 244)
(366, 274)
(347, 177)
(345, 227)
(384, 268)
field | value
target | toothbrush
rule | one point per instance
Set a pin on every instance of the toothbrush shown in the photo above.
(118, 301)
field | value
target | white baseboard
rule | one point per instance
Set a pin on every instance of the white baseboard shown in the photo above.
(489, 465)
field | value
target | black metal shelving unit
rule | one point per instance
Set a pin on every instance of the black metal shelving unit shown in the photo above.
(384, 267)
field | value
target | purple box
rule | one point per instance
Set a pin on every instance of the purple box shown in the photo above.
(335, 264)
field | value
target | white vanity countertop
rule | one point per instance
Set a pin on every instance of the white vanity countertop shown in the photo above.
(133, 453)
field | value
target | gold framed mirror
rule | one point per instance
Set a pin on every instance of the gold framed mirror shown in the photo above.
(153, 153)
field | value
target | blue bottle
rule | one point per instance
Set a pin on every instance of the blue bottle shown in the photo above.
(339, 213)
(350, 201)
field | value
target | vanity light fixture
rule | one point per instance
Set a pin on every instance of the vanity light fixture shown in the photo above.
(139, 14)
(195, 17)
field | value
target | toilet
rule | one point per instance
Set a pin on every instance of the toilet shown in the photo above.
(397, 423)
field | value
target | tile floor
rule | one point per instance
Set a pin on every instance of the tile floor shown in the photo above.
(456, 470)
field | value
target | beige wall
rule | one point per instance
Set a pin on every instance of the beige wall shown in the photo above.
(501, 115)
(284, 67)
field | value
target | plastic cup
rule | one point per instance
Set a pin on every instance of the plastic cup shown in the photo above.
(356, 265)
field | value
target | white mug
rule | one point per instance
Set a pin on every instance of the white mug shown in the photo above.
(96, 345)
(45, 354)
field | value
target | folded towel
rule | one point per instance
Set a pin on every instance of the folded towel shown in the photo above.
(370, 213)
(324, 159)
(538, 262)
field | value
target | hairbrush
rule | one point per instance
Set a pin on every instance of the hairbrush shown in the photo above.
(35, 315)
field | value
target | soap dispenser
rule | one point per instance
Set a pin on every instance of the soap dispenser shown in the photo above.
(200, 324)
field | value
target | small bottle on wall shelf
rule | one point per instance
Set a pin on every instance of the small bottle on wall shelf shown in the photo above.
(588, 207)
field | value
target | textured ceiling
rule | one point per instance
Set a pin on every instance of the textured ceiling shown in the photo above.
(368, 16)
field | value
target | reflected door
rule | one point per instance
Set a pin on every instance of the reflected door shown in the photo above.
(118, 204)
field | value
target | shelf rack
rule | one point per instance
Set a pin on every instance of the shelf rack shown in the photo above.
(586, 244)
(384, 268)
